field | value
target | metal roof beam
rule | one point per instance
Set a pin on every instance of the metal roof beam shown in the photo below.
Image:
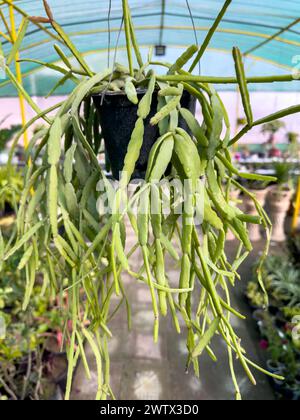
(162, 21)
(267, 41)
(135, 16)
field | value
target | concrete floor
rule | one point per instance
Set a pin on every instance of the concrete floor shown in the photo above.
(141, 370)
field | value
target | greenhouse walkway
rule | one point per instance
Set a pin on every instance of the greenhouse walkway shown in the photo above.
(144, 371)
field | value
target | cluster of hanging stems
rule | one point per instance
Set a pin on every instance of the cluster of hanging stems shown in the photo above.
(84, 254)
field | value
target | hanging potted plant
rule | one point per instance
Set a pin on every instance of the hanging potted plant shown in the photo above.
(85, 247)
(117, 105)
(280, 199)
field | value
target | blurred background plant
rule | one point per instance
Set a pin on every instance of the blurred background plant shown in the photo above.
(28, 367)
(294, 147)
(294, 249)
(11, 185)
(276, 323)
(7, 134)
(272, 128)
(293, 138)
(284, 174)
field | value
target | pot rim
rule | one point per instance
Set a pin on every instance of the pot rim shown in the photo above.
(258, 190)
(123, 93)
(118, 93)
(275, 189)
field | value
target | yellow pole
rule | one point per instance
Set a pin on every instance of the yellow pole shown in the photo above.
(18, 72)
(237, 109)
(297, 209)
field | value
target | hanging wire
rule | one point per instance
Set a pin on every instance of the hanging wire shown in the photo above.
(194, 28)
(109, 33)
(114, 62)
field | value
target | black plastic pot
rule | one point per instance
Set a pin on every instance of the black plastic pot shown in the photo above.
(117, 119)
(275, 367)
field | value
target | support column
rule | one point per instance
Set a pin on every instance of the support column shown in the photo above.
(18, 72)
(297, 209)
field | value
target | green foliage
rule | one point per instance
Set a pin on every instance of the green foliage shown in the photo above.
(11, 185)
(293, 138)
(6, 134)
(281, 280)
(294, 249)
(275, 264)
(255, 295)
(281, 350)
(241, 121)
(23, 333)
(282, 283)
(273, 127)
(286, 286)
(283, 173)
(61, 231)
(274, 339)
(290, 313)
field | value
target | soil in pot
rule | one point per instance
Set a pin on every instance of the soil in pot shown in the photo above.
(117, 119)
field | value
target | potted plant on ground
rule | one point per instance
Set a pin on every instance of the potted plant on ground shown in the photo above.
(277, 323)
(26, 364)
(283, 359)
(280, 197)
(260, 190)
(285, 286)
(85, 249)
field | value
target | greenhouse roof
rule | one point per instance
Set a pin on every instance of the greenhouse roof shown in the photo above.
(267, 31)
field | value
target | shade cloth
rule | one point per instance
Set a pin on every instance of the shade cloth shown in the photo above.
(247, 24)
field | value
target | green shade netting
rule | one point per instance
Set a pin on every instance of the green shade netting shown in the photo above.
(246, 25)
